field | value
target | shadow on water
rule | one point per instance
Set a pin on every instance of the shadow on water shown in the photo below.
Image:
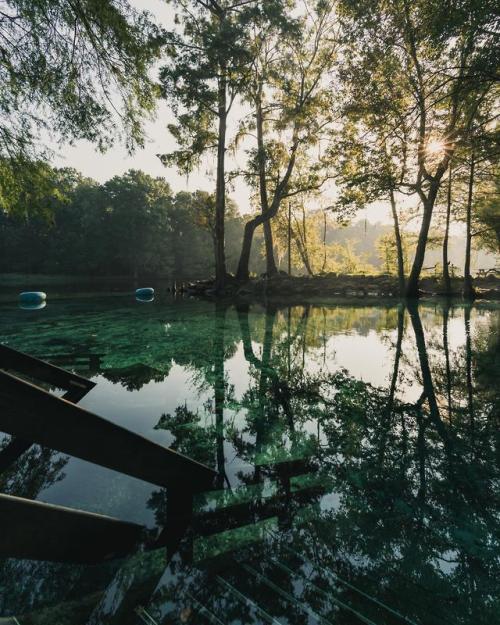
(356, 451)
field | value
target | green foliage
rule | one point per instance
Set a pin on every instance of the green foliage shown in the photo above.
(78, 69)
(62, 223)
(208, 56)
(488, 215)
(33, 188)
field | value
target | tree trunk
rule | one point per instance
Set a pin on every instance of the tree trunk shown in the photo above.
(324, 243)
(220, 191)
(412, 286)
(271, 267)
(468, 289)
(399, 244)
(303, 255)
(446, 270)
(242, 272)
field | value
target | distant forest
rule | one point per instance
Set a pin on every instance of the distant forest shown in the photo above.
(135, 225)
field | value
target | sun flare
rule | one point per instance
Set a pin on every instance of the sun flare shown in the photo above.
(435, 147)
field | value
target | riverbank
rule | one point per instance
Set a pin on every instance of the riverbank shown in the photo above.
(280, 287)
(332, 285)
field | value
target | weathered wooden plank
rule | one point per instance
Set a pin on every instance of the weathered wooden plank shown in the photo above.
(33, 414)
(39, 531)
(13, 360)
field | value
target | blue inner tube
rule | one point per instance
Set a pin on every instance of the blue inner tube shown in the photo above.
(145, 293)
(32, 297)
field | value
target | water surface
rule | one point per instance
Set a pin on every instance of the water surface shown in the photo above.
(362, 441)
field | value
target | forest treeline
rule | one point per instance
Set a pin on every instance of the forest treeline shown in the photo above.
(134, 225)
(331, 103)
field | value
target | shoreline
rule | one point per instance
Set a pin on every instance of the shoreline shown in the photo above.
(344, 286)
(277, 288)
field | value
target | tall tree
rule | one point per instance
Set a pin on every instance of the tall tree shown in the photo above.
(292, 108)
(268, 28)
(442, 59)
(137, 208)
(205, 72)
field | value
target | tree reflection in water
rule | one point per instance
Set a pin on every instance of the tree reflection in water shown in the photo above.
(404, 506)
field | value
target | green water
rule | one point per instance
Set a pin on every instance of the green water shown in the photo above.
(357, 451)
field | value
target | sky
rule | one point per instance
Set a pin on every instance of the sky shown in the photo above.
(85, 158)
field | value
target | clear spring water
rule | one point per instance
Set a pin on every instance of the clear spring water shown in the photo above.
(357, 450)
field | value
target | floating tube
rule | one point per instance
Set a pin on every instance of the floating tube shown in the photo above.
(32, 297)
(145, 295)
(147, 292)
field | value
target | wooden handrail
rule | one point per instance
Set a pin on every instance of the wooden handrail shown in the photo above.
(33, 414)
(19, 362)
(75, 386)
(40, 531)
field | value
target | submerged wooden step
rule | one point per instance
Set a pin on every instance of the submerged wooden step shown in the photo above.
(278, 454)
(215, 500)
(209, 547)
(248, 494)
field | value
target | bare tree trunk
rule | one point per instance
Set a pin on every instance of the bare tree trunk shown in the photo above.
(303, 255)
(250, 227)
(399, 244)
(324, 242)
(220, 192)
(468, 288)
(301, 241)
(446, 270)
(271, 268)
